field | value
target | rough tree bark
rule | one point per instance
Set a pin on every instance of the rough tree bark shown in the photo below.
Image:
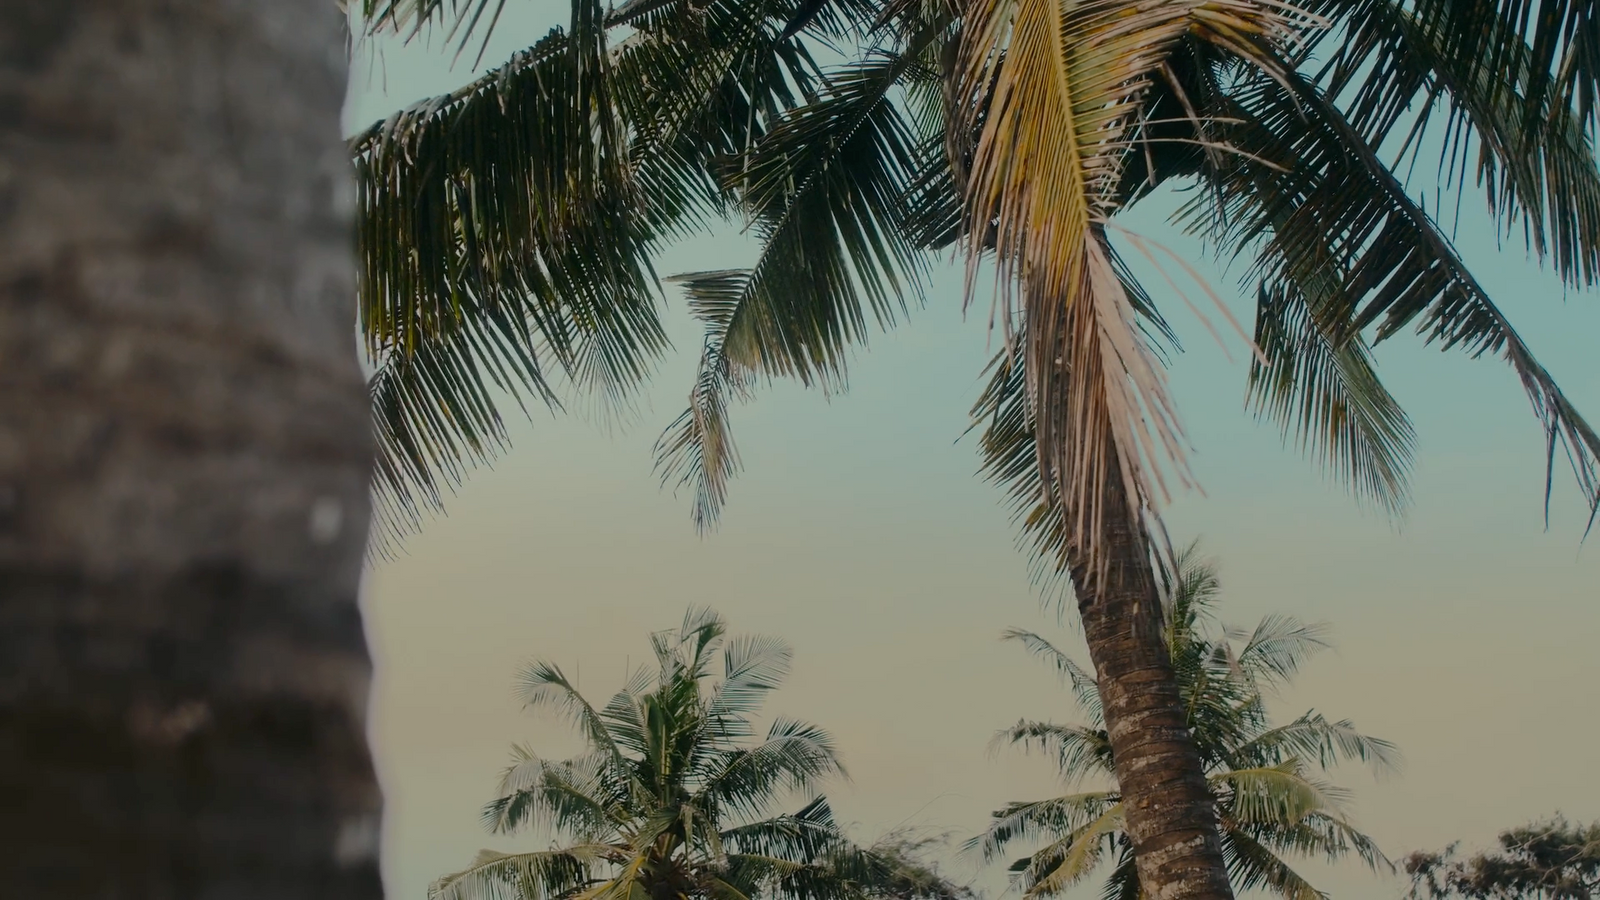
(1171, 814)
(184, 453)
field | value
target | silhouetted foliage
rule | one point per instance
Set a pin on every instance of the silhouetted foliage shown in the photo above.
(1550, 860)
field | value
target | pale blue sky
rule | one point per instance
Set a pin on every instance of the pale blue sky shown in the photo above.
(859, 533)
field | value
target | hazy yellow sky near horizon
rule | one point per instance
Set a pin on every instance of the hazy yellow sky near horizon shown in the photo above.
(860, 534)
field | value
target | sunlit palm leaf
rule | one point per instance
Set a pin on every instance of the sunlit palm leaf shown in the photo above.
(1275, 794)
(1054, 91)
(1065, 863)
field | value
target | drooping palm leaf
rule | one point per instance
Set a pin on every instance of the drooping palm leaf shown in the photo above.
(1520, 87)
(1311, 201)
(823, 189)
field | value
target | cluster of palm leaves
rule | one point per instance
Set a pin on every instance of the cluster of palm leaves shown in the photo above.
(675, 799)
(507, 229)
(1271, 803)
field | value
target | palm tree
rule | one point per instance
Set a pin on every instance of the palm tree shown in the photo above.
(673, 800)
(507, 231)
(1269, 801)
(185, 452)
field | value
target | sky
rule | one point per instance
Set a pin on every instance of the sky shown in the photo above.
(860, 533)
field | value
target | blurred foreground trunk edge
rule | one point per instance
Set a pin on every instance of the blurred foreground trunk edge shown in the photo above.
(184, 457)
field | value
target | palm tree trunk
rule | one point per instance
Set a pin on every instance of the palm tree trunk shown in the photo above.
(184, 454)
(1170, 812)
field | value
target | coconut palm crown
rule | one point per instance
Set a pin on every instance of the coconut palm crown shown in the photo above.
(1271, 804)
(674, 798)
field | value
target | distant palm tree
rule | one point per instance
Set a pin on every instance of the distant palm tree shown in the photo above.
(1268, 802)
(673, 800)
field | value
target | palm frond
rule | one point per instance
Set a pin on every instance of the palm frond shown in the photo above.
(824, 189)
(1040, 819)
(1252, 866)
(1079, 752)
(1519, 87)
(1326, 394)
(573, 797)
(1279, 795)
(1322, 834)
(544, 684)
(1314, 738)
(1278, 646)
(1082, 683)
(794, 757)
(802, 835)
(753, 666)
(1307, 184)
(1054, 92)
(410, 18)
(520, 876)
(1057, 867)
(500, 239)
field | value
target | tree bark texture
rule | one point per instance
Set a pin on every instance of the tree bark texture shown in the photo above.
(184, 455)
(1171, 814)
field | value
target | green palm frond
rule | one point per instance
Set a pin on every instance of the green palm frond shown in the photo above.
(1080, 752)
(1307, 188)
(794, 757)
(1517, 88)
(1078, 679)
(823, 188)
(1323, 834)
(544, 684)
(752, 667)
(1326, 394)
(1071, 859)
(796, 837)
(1277, 647)
(1041, 819)
(580, 798)
(1279, 794)
(501, 249)
(410, 18)
(1252, 866)
(521, 876)
(1313, 737)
